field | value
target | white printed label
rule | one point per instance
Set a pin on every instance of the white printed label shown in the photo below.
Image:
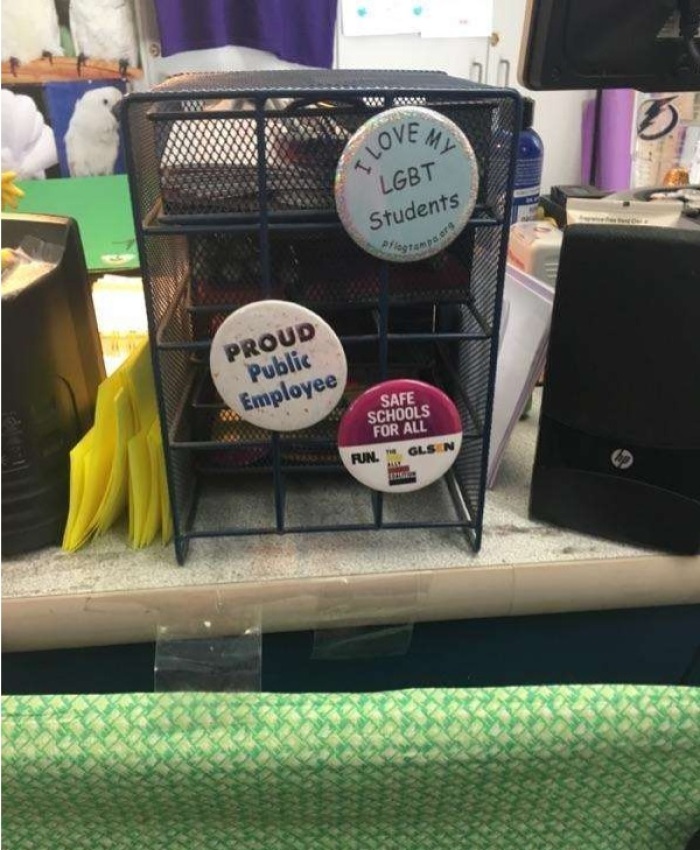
(404, 465)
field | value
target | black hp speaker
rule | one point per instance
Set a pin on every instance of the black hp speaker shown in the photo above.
(618, 453)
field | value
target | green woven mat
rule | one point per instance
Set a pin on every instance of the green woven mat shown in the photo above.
(503, 769)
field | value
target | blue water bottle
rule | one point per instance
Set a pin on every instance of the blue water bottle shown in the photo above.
(528, 171)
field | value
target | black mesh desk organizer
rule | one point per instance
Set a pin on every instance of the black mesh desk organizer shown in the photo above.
(231, 179)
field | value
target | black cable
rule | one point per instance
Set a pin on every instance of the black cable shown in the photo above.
(689, 25)
(595, 141)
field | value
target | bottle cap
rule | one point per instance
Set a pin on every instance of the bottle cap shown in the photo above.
(400, 435)
(406, 184)
(528, 113)
(278, 365)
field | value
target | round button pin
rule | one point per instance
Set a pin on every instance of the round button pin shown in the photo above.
(278, 365)
(406, 183)
(400, 435)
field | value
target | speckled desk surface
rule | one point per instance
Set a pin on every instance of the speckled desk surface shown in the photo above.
(523, 566)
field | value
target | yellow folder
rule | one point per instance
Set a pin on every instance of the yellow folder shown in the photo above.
(115, 496)
(77, 487)
(120, 463)
(98, 462)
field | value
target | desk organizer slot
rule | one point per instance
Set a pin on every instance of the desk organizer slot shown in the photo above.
(279, 155)
(232, 180)
(317, 268)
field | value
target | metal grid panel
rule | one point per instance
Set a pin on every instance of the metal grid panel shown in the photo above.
(230, 444)
(174, 379)
(302, 153)
(208, 164)
(321, 268)
(222, 161)
(143, 164)
(165, 269)
(292, 83)
(484, 294)
(235, 174)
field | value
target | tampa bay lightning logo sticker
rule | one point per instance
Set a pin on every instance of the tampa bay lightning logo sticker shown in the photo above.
(657, 117)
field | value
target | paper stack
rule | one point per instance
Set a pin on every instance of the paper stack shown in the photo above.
(522, 352)
(120, 461)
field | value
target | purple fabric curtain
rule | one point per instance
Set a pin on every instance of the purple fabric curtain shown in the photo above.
(295, 30)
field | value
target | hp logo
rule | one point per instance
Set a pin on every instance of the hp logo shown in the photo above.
(622, 459)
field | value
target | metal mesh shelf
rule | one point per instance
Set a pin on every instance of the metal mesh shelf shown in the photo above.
(190, 327)
(207, 426)
(231, 178)
(211, 154)
(157, 222)
(347, 506)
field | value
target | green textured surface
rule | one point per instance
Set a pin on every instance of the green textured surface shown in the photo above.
(573, 768)
(102, 208)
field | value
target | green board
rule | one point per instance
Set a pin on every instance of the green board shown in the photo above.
(102, 208)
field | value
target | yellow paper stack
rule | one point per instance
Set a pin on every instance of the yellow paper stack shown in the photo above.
(120, 462)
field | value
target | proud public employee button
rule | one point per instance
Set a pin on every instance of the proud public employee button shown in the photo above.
(406, 183)
(400, 435)
(278, 365)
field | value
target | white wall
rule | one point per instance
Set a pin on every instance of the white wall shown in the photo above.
(557, 114)
(456, 56)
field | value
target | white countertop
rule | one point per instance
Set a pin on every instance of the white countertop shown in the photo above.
(108, 592)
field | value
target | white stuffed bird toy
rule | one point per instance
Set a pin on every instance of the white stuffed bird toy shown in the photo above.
(104, 29)
(29, 30)
(92, 140)
(28, 143)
